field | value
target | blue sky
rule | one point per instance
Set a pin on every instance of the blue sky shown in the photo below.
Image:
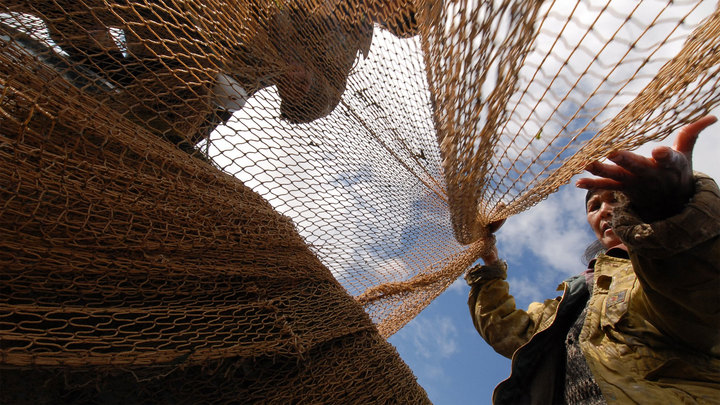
(542, 247)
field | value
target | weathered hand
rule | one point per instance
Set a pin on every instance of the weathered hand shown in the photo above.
(658, 186)
(491, 256)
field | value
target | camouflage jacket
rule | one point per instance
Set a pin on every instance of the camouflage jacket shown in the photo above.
(652, 331)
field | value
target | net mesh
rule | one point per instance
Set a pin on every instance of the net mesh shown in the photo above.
(214, 200)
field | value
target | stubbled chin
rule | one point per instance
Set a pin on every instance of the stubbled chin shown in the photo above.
(609, 239)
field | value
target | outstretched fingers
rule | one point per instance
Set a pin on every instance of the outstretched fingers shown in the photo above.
(598, 183)
(657, 186)
(632, 164)
(685, 141)
(628, 167)
(668, 158)
(610, 171)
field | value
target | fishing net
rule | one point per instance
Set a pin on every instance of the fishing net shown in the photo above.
(237, 202)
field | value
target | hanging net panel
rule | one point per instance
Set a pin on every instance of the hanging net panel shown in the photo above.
(239, 201)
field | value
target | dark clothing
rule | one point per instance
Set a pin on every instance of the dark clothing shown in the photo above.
(579, 386)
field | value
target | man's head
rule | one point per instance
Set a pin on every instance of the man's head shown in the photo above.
(599, 205)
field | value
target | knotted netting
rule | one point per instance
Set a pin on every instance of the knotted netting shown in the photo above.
(218, 201)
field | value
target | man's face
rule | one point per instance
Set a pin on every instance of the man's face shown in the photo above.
(599, 215)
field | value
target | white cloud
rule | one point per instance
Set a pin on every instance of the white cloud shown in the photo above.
(459, 286)
(555, 231)
(433, 338)
(434, 372)
(527, 290)
(344, 179)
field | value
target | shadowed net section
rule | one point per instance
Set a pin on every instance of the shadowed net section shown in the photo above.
(134, 273)
(242, 199)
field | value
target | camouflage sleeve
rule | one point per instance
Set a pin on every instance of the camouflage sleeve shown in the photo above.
(493, 311)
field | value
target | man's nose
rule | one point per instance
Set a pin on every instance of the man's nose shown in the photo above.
(606, 209)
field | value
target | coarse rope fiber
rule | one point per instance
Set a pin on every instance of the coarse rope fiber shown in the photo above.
(239, 201)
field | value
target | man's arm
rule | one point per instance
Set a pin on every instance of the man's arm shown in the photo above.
(493, 311)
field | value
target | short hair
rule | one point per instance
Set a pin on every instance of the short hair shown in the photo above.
(622, 198)
(589, 194)
(592, 251)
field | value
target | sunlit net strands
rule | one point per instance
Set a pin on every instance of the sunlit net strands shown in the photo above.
(221, 200)
(554, 85)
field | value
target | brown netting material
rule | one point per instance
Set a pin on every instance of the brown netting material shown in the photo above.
(218, 201)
